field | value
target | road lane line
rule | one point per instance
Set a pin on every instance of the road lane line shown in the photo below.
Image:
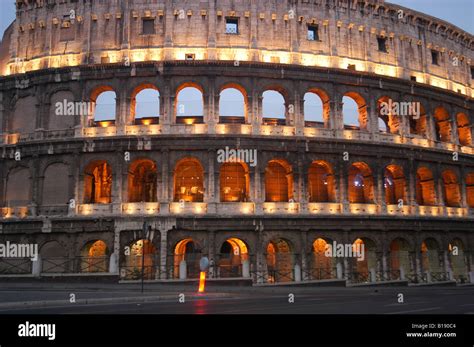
(419, 310)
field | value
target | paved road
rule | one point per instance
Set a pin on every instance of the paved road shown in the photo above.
(417, 300)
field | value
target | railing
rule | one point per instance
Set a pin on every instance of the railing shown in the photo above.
(229, 270)
(318, 274)
(17, 266)
(359, 277)
(389, 275)
(75, 265)
(417, 278)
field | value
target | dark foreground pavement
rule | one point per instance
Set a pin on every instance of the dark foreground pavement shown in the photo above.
(109, 299)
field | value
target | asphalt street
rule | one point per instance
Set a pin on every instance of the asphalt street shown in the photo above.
(416, 300)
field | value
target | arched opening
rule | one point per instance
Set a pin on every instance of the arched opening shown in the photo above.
(142, 181)
(143, 255)
(98, 183)
(273, 108)
(464, 129)
(321, 182)
(394, 185)
(234, 182)
(425, 187)
(60, 118)
(399, 259)
(443, 124)
(104, 101)
(366, 262)
(279, 261)
(56, 185)
(232, 255)
(278, 181)
(24, 115)
(18, 187)
(54, 258)
(430, 260)
(189, 104)
(361, 184)
(145, 105)
(187, 252)
(233, 105)
(316, 109)
(388, 121)
(322, 267)
(452, 192)
(354, 111)
(419, 125)
(94, 257)
(458, 260)
(470, 189)
(189, 181)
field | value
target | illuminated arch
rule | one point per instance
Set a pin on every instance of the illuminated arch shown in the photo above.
(419, 125)
(363, 266)
(98, 183)
(425, 187)
(142, 181)
(321, 183)
(145, 104)
(189, 251)
(189, 181)
(322, 267)
(278, 181)
(94, 257)
(354, 111)
(232, 254)
(234, 182)
(443, 124)
(394, 185)
(316, 108)
(143, 254)
(452, 192)
(464, 129)
(387, 122)
(361, 184)
(279, 261)
(470, 189)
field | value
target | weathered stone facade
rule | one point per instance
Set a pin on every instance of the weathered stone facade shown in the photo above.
(66, 182)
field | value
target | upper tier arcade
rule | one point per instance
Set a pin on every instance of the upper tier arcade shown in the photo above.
(366, 35)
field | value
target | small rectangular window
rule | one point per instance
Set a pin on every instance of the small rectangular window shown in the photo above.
(413, 78)
(313, 33)
(148, 27)
(434, 57)
(472, 72)
(231, 26)
(190, 56)
(382, 43)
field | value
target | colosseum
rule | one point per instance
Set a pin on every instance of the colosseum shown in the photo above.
(138, 136)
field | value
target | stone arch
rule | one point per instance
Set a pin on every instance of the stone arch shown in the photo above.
(280, 262)
(98, 183)
(394, 184)
(63, 110)
(274, 106)
(362, 122)
(470, 189)
(233, 104)
(188, 180)
(103, 99)
(458, 260)
(56, 184)
(452, 191)
(18, 189)
(316, 108)
(399, 258)
(391, 121)
(234, 182)
(233, 253)
(189, 105)
(322, 266)
(464, 129)
(425, 187)
(24, 113)
(94, 257)
(142, 181)
(360, 184)
(142, 255)
(430, 256)
(321, 182)
(443, 124)
(419, 125)
(278, 181)
(190, 251)
(145, 104)
(367, 262)
(54, 257)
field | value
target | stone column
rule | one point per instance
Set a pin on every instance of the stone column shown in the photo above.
(210, 196)
(440, 186)
(343, 194)
(381, 201)
(463, 187)
(163, 252)
(212, 253)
